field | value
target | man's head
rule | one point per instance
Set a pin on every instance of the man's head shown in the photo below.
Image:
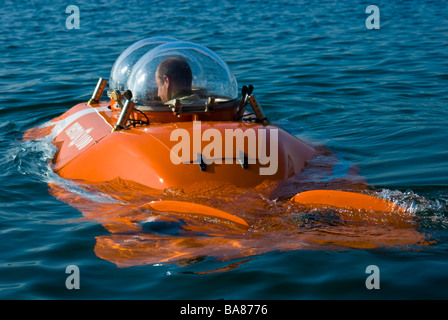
(173, 75)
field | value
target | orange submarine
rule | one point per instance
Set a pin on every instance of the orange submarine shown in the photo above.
(204, 132)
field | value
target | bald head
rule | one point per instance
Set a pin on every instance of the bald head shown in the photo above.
(172, 75)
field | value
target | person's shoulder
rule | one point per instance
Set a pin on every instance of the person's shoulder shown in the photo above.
(188, 99)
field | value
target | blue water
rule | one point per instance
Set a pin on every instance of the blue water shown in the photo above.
(376, 98)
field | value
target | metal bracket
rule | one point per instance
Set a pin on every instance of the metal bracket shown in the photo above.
(177, 108)
(201, 162)
(242, 159)
(98, 92)
(210, 105)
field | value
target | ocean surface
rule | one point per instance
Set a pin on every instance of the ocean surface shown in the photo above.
(376, 98)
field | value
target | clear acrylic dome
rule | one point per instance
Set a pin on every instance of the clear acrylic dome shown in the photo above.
(211, 77)
(123, 65)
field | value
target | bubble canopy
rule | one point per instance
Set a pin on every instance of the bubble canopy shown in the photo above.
(135, 70)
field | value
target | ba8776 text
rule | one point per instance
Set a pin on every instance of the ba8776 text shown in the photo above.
(245, 309)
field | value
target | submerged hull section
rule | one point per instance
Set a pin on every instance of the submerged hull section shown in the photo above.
(172, 154)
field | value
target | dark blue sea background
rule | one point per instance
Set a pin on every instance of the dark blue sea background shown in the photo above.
(376, 98)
